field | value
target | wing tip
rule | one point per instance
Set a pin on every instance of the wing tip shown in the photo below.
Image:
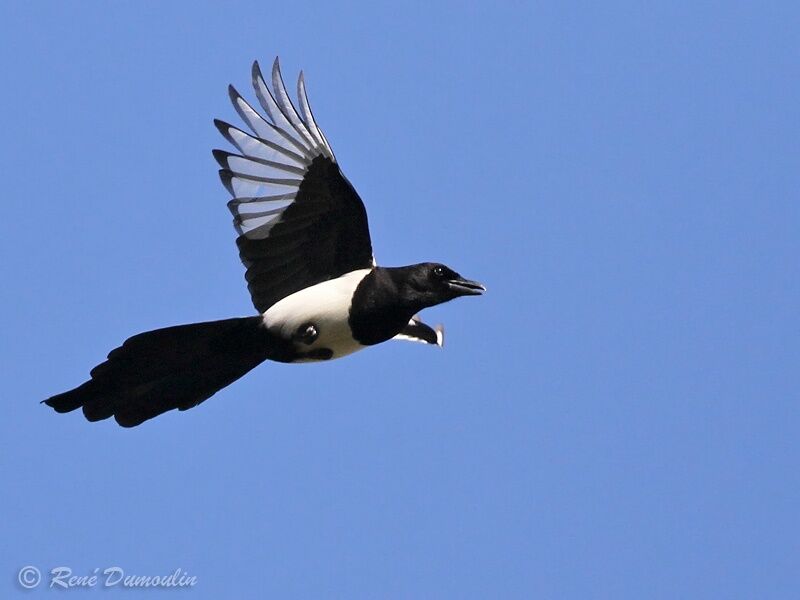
(234, 95)
(225, 130)
(225, 176)
(221, 156)
(255, 71)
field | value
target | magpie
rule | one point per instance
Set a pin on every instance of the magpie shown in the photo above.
(304, 240)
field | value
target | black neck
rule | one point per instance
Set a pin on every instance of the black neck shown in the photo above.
(381, 308)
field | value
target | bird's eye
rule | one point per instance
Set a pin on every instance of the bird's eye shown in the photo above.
(438, 271)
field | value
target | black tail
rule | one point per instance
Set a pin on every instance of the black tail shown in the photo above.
(177, 367)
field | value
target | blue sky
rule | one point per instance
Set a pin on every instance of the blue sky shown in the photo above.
(616, 418)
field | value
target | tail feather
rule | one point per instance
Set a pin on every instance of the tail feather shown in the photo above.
(176, 367)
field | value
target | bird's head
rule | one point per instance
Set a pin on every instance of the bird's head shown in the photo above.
(433, 283)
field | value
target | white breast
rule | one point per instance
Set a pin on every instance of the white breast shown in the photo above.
(327, 306)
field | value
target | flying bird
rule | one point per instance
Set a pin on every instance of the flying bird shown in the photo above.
(305, 244)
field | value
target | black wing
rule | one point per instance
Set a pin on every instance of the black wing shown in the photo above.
(417, 331)
(299, 220)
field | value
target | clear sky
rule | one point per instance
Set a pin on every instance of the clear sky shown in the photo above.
(616, 418)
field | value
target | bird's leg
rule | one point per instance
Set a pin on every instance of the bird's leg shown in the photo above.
(306, 334)
(318, 354)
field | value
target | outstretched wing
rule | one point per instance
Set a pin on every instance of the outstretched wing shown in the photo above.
(299, 220)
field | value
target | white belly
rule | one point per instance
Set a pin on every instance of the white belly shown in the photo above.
(326, 305)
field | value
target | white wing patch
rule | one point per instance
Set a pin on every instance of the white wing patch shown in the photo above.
(265, 178)
(417, 331)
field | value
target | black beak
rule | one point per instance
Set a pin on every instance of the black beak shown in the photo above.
(465, 287)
